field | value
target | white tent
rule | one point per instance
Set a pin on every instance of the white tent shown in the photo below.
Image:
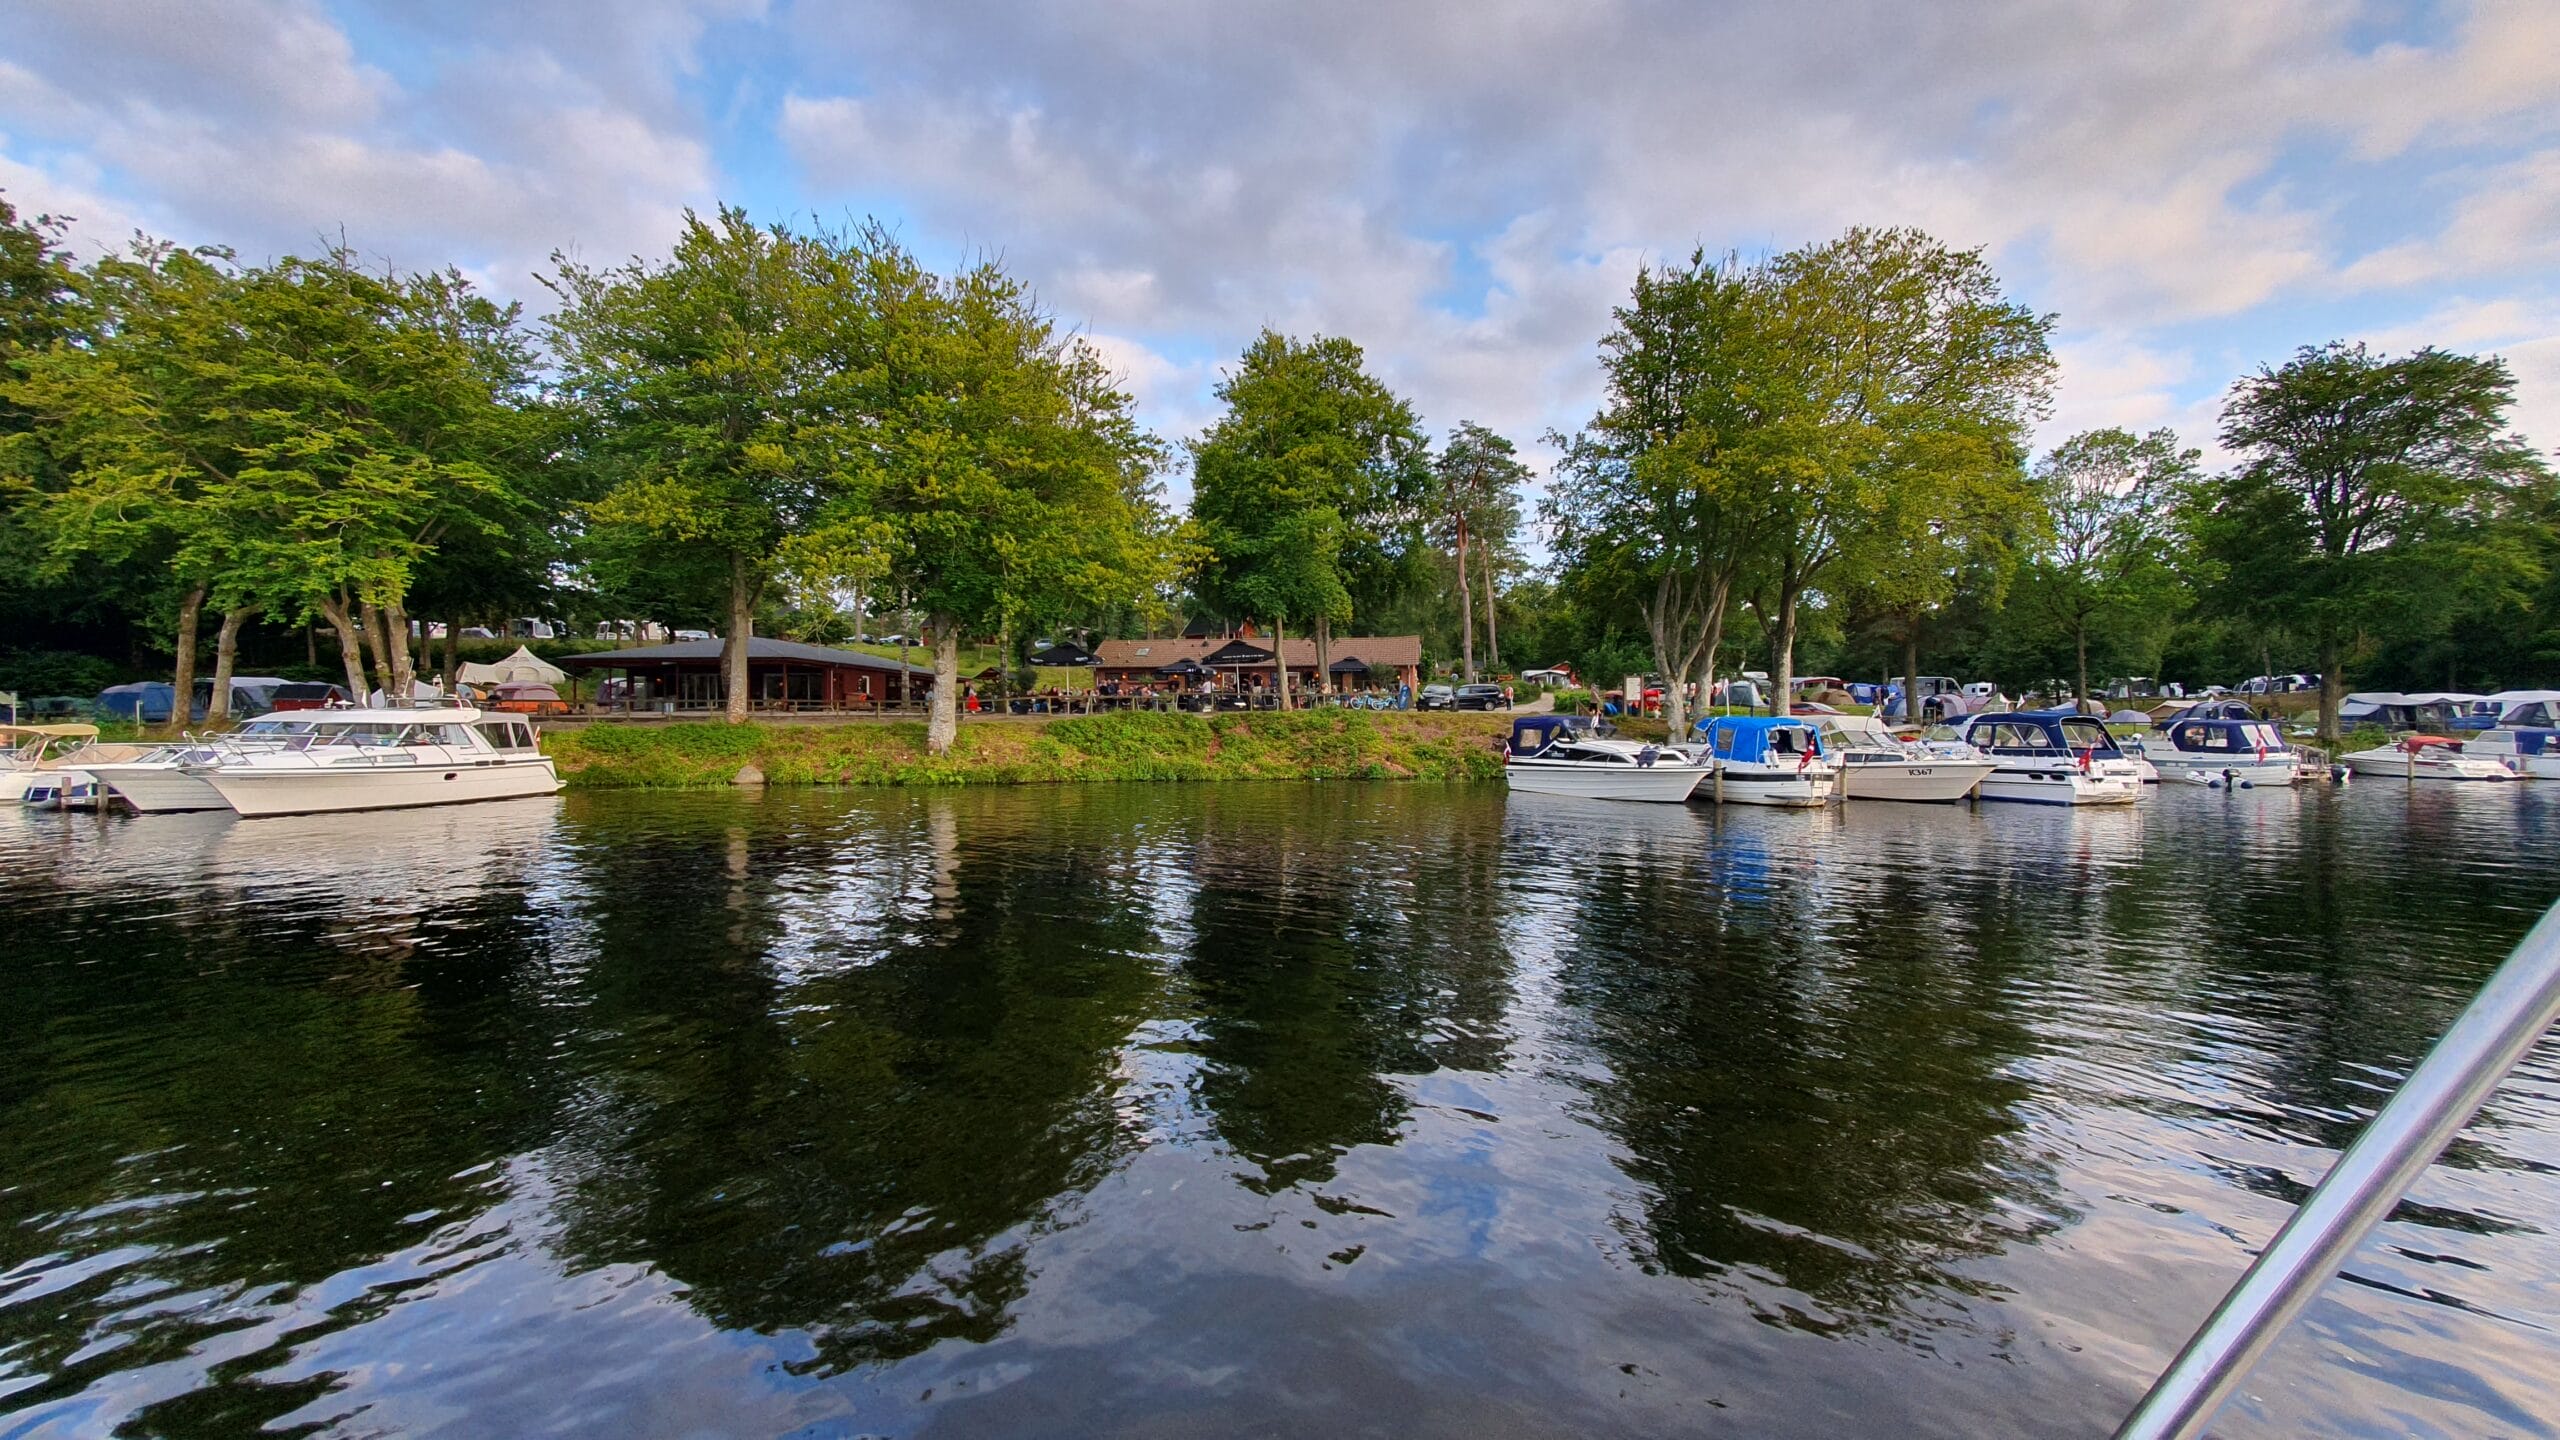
(523, 665)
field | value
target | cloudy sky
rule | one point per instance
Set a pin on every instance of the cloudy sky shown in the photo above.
(1462, 186)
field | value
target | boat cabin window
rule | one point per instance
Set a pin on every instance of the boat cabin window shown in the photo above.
(359, 733)
(2084, 733)
(507, 734)
(2539, 715)
(2013, 735)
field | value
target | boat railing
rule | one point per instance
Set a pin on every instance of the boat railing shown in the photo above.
(2511, 1012)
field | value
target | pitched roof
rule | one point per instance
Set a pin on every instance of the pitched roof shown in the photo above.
(1383, 652)
(759, 647)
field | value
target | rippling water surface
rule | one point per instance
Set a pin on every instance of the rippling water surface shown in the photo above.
(1248, 1110)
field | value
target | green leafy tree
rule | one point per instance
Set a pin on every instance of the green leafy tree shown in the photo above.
(695, 383)
(2378, 497)
(2104, 565)
(978, 454)
(1659, 503)
(1895, 365)
(1309, 492)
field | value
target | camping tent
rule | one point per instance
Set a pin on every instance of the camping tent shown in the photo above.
(523, 667)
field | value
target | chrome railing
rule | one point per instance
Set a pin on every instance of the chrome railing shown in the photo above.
(2503, 1021)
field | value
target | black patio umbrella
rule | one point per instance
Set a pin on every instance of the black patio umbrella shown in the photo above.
(1183, 668)
(1348, 665)
(1066, 653)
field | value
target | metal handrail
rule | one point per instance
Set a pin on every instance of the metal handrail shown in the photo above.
(2503, 1021)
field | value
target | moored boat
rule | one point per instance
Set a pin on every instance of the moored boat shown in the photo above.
(2052, 757)
(37, 751)
(2215, 749)
(383, 759)
(1761, 760)
(2526, 738)
(2424, 757)
(1870, 764)
(1578, 755)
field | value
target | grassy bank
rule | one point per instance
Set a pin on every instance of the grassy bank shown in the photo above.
(1320, 745)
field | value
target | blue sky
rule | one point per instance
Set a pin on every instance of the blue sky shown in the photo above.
(1462, 186)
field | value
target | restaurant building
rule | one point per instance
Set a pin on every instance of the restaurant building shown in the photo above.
(782, 675)
(1356, 662)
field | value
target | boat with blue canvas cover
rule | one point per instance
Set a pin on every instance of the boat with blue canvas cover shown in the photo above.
(1584, 756)
(2052, 757)
(2214, 749)
(1762, 760)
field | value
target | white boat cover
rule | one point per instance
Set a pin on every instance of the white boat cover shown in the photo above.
(523, 665)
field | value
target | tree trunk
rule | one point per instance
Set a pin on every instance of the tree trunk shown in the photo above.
(190, 610)
(2080, 652)
(1782, 697)
(1466, 611)
(942, 726)
(226, 649)
(733, 651)
(1280, 656)
(452, 651)
(377, 650)
(350, 647)
(310, 644)
(1324, 654)
(404, 669)
(1911, 673)
(1492, 620)
(906, 632)
(2333, 689)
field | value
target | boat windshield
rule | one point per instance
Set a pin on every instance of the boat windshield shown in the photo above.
(1858, 729)
(272, 728)
(2087, 734)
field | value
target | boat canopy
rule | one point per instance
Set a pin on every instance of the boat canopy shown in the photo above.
(57, 732)
(2216, 736)
(2040, 732)
(1856, 729)
(1533, 733)
(1759, 739)
(2423, 697)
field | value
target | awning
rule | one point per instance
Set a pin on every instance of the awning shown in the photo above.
(1348, 665)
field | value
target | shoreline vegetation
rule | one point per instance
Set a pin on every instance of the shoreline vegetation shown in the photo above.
(1070, 749)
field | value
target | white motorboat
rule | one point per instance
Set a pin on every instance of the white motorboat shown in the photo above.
(2219, 744)
(1577, 755)
(159, 780)
(383, 759)
(1762, 760)
(2424, 757)
(1870, 764)
(2526, 738)
(2052, 757)
(36, 751)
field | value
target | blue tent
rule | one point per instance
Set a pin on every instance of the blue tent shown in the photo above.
(145, 702)
(1759, 739)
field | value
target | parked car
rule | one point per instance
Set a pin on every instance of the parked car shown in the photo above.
(308, 695)
(1437, 697)
(1479, 697)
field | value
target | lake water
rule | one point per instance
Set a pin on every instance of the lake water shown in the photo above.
(1249, 1110)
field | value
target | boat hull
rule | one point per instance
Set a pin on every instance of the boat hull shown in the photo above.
(2060, 786)
(1926, 782)
(2398, 764)
(14, 783)
(2204, 770)
(159, 789)
(1666, 784)
(257, 791)
(1780, 785)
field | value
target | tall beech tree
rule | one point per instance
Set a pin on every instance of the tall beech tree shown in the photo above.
(1310, 492)
(1659, 502)
(1894, 362)
(2378, 497)
(2103, 563)
(694, 383)
(988, 460)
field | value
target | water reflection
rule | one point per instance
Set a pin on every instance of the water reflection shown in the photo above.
(1221, 1108)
